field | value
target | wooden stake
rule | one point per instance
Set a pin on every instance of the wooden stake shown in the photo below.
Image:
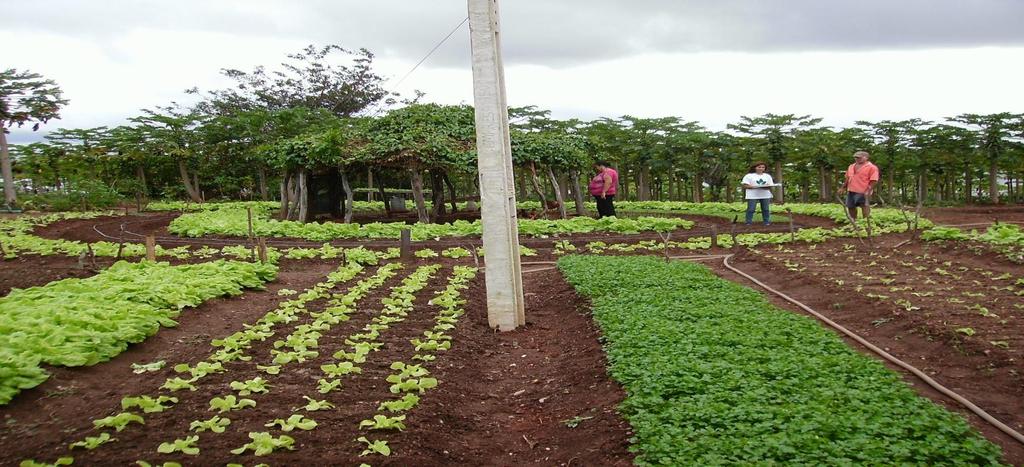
(92, 255)
(252, 244)
(792, 231)
(262, 247)
(406, 245)
(714, 236)
(150, 248)
(120, 243)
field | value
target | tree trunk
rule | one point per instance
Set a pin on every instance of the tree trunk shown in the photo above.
(369, 184)
(293, 197)
(643, 191)
(383, 196)
(780, 196)
(349, 196)
(823, 180)
(140, 174)
(538, 189)
(192, 190)
(730, 192)
(6, 170)
(577, 192)
(922, 186)
(558, 193)
(303, 196)
(993, 181)
(451, 191)
(143, 191)
(284, 194)
(524, 194)
(698, 188)
(891, 181)
(563, 182)
(262, 180)
(417, 195)
(195, 183)
(436, 196)
(967, 186)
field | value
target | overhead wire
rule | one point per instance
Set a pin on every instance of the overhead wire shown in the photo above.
(377, 107)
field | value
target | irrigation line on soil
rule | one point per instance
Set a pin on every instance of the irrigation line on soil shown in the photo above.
(974, 224)
(931, 382)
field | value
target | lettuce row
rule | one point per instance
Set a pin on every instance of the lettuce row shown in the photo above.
(80, 322)
(234, 222)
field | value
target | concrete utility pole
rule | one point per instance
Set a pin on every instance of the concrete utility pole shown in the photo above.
(504, 276)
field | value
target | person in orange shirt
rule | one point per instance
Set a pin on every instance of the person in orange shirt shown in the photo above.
(861, 178)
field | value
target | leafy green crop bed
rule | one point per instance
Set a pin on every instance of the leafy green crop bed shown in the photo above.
(1005, 238)
(77, 322)
(716, 375)
(234, 222)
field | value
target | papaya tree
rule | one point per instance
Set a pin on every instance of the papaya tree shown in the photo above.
(25, 98)
(995, 133)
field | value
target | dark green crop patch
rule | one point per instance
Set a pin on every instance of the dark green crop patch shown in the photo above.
(717, 375)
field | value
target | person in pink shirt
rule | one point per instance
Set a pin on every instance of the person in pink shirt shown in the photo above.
(861, 177)
(603, 187)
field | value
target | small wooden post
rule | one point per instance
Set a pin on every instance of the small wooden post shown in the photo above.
(714, 236)
(249, 211)
(406, 245)
(252, 240)
(92, 255)
(732, 233)
(120, 243)
(261, 244)
(150, 248)
(792, 231)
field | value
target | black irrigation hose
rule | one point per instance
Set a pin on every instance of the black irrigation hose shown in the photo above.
(918, 373)
(978, 224)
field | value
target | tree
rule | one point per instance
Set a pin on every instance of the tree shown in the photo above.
(995, 131)
(170, 133)
(25, 97)
(423, 137)
(307, 81)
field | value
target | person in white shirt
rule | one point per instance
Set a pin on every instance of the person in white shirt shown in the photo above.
(758, 191)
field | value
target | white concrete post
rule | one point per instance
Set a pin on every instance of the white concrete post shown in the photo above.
(503, 276)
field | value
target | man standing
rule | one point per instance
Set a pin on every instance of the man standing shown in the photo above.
(861, 177)
(603, 187)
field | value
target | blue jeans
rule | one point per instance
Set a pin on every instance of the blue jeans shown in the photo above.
(766, 214)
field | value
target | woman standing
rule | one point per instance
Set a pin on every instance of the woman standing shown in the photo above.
(758, 191)
(603, 187)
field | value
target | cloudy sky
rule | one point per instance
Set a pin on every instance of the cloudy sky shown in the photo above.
(705, 60)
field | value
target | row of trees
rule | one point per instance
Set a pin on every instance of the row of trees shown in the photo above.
(316, 126)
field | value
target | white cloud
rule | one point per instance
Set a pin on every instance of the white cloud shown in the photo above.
(701, 60)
